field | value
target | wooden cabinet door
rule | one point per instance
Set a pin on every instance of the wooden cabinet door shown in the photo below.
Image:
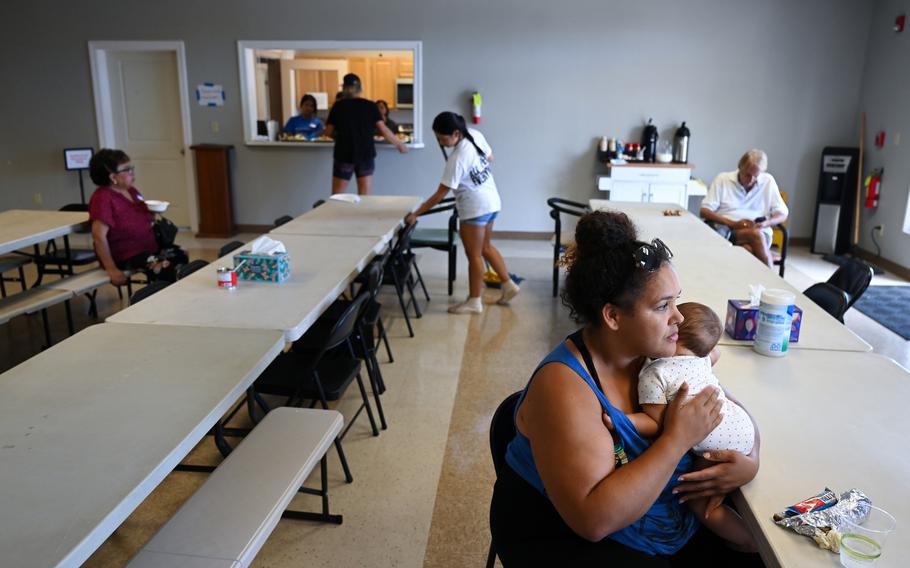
(405, 68)
(360, 67)
(384, 74)
(668, 193)
(629, 191)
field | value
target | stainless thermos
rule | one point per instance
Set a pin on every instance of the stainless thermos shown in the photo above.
(681, 145)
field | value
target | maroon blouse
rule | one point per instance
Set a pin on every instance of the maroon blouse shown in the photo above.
(130, 222)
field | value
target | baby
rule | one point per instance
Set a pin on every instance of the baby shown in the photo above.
(658, 384)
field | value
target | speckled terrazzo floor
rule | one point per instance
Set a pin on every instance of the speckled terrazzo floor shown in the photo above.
(421, 490)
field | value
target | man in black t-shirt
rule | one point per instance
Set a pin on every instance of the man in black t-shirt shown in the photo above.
(352, 122)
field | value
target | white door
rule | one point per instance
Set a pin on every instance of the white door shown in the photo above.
(147, 125)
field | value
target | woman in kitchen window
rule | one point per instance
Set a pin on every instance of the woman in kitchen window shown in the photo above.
(467, 172)
(306, 123)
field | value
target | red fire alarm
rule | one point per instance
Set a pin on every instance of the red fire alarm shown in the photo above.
(899, 23)
(880, 139)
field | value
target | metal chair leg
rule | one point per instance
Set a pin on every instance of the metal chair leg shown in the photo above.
(385, 339)
(69, 317)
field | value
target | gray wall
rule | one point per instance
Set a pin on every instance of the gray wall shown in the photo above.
(886, 91)
(775, 74)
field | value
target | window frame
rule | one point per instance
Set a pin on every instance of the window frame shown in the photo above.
(246, 61)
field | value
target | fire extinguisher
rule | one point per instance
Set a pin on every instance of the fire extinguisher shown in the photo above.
(873, 184)
(476, 102)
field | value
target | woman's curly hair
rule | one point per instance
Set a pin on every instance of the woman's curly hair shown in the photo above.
(600, 266)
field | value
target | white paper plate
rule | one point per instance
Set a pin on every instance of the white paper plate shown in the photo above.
(157, 206)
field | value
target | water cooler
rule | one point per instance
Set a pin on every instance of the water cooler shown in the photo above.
(836, 202)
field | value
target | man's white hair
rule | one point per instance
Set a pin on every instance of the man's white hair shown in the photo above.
(754, 157)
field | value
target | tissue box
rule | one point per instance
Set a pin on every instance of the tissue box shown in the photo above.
(742, 319)
(263, 267)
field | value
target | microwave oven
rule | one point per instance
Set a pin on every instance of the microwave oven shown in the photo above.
(404, 93)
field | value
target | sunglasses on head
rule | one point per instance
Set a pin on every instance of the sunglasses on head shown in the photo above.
(649, 256)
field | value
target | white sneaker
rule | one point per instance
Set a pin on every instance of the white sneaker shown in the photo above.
(509, 290)
(469, 306)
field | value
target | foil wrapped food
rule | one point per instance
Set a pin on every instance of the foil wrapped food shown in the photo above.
(825, 525)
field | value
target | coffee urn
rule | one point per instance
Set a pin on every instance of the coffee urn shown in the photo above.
(681, 145)
(649, 141)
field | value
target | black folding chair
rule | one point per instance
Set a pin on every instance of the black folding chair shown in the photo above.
(502, 431)
(559, 206)
(441, 239)
(190, 268)
(830, 298)
(319, 375)
(853, 277)
(282, 220)
(148, 290)
(61, 261)
(229, 248)
(398, 272)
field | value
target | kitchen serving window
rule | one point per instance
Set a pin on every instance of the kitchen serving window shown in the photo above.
(274, 75)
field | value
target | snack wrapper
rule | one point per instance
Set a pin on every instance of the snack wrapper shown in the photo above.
(825, 525)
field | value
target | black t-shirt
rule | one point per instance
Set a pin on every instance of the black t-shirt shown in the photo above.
(355, 122)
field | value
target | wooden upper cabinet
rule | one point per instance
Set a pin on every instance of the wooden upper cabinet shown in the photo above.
(385, 71)
(361, 67)
(406, 68)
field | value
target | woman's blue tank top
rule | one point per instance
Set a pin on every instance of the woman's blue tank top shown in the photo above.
(667, 525)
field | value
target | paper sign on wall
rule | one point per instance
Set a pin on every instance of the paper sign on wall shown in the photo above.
(209, 94)
(77, 158)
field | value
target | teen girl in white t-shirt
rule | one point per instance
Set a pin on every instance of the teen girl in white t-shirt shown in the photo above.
(467, 172)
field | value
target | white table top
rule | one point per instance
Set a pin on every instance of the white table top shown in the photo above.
(713, 272)
(374, 216)
(20, 228)
(835, 419)
(321, 268)
(649, 218)
(91, 426)
(714, 276)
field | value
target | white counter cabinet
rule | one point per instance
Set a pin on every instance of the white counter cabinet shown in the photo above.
(650, 183)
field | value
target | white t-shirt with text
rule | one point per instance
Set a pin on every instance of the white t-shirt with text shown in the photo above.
(470, 177)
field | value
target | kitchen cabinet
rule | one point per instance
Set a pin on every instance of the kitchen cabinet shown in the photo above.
(650, 183)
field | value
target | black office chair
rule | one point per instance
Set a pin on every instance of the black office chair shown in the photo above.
(55, 260)
(190, 268)
(229, 248)
(502, 431)
(830, 298)
(282, 220)
(320, 375)
(148, 290)
(853, 277)
(441, 239)
(559, 206)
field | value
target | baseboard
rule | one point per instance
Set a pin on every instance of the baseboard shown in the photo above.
(254, 228)
(888, 265)
(524, 235)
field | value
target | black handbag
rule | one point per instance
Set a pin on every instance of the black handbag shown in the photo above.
(165, 232)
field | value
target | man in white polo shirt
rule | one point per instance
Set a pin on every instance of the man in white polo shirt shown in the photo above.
(747, 203)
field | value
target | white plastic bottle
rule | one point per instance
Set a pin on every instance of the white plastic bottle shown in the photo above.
(775, 317)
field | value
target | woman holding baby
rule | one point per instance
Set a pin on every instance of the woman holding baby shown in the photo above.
(596, 478)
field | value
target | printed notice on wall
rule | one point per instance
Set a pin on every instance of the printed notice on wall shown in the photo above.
(209, 94)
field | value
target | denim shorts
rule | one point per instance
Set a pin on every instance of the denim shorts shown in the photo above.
(482, 220)
(343, 170)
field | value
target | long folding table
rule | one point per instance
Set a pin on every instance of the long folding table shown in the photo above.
(321, 269)
(91, 426)
(20, 228)
(372, 216)
(833, 419)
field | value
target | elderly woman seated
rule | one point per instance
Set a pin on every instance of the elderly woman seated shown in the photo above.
(122, 225)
